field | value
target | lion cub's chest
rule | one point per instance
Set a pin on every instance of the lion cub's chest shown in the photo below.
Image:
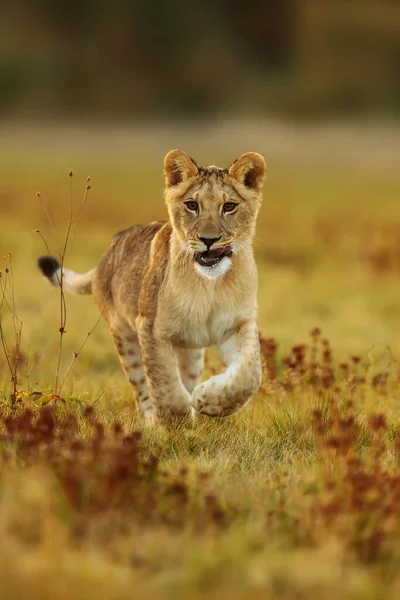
(211, 333)
(200, 324)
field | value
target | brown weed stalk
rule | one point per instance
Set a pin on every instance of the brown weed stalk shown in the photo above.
(7, 301)
(61, 251)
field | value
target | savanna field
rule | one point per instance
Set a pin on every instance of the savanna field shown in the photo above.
(298, 495)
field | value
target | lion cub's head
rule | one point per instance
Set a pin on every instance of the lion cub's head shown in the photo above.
(213, 211)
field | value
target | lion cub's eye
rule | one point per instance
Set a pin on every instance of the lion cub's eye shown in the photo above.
(229, 207)
(192, 206)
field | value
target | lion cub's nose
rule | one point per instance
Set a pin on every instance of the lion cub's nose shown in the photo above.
(209, 241)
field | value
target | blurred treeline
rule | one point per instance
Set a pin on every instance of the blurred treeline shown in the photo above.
(177, 57)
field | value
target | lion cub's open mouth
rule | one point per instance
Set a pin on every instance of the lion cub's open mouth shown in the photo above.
(210, 258)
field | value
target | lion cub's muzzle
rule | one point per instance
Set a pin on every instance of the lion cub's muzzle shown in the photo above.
(210, 258)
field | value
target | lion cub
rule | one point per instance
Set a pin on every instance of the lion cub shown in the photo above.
(168, 290)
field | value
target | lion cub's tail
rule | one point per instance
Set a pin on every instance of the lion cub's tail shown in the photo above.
(72, 282)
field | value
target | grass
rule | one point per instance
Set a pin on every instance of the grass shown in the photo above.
(295, 497)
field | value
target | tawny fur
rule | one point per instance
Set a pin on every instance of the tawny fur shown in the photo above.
(163, 309)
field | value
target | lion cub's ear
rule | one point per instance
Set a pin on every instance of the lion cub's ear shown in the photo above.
(249, 169)
(178, 167)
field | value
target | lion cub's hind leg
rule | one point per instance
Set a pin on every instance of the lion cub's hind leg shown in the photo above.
(191, 365)
(127, 344)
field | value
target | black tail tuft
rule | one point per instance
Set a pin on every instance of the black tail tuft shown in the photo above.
(48, 265)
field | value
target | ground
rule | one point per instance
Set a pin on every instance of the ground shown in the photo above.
(297, 496)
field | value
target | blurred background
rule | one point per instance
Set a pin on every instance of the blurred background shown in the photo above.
(107, 88)
(128, 58)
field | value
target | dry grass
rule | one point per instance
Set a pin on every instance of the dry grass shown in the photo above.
(296, 497)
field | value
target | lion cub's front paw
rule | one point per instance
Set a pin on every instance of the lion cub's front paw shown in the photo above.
(213, 398)
(176, 410)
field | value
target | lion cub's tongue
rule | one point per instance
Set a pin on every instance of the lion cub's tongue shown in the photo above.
(218, 252)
